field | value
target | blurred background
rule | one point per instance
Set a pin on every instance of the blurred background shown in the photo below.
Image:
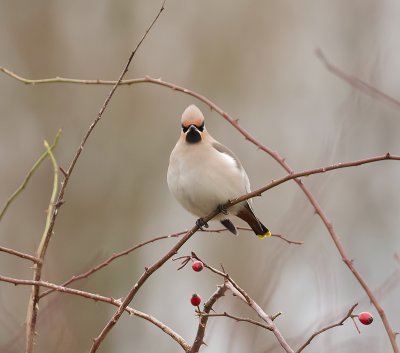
(256, 60)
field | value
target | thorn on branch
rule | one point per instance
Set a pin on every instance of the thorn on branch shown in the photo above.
(63, 171)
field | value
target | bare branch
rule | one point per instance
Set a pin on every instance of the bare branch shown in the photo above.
(239, 292)
(28, 176)
(234, 122)
(280, 236)
(356, 82)
(261, 313)
(112, 258)
(32, 311)
(20, 254)
(100, 298)
(199, 340)
(239, 319)
(340, 323)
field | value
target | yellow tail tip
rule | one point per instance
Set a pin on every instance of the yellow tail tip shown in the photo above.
(262, 236)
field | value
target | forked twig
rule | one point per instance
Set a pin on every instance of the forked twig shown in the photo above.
(340, 323)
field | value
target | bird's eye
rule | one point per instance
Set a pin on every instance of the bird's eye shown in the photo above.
(185, 128)
(201, 127)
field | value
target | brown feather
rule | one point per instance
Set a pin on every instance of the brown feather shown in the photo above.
(247, 214)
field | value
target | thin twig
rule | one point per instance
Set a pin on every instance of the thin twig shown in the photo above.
(262, 314)
(201, 329)
(100, 298)
(340, 323)
(356, 82)
(328, 224)
(32, 311)
(99, 339)
(238, 319)
(28, 176)
(20, 254)
(239, 292)
(112, 258)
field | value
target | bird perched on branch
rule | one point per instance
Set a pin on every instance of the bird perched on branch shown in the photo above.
(203, 175)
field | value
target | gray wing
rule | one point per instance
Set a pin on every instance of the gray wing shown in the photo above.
(223, 149)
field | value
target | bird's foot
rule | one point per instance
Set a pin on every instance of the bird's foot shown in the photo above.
(201, 224)
(222, 209)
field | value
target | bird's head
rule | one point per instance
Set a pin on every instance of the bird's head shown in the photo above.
(193, 128)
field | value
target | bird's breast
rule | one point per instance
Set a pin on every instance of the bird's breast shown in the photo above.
(202, 178)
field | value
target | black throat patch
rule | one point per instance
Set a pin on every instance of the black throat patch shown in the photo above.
(193, 135)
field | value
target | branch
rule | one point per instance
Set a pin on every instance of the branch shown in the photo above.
(31, 316)
(201, 330)
(280, 236)
(356, 82)
(340, 323)
(111, 259)
(131, 249)
(28, 176)
(100, 298)
(20, 254)
(239, 319)
(264, 316)
(98, 340)
(238, 291)
(309, 172)
(275, 155)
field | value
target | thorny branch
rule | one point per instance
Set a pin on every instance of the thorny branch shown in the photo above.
(340, 323)
(100, 298)
(236, 290)
(238, 319)
(203, 318)
(273, 154)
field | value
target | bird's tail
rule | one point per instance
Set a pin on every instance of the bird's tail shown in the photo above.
(246, 213)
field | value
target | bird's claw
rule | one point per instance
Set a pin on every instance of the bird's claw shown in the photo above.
(201, 223)
(222, 209)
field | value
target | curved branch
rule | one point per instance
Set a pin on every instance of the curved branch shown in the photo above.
(28, 176)
(356, 82)
(328, 224)
(340, 323)
(100, 298)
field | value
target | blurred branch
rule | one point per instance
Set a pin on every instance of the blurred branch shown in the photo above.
(340, 323)
(100, 298)
(31, 316)
(28, 176)
(199, 340)
(356, 82)
(20, 254)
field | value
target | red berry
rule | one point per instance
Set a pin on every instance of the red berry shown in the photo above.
(197, 266)
(195, 300)
(365, 318)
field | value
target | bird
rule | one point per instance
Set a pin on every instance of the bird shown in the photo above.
(203, 175)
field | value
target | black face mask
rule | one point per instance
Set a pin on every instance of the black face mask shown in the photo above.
(193, 135)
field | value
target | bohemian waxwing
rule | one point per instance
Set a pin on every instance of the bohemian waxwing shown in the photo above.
(203, 175)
